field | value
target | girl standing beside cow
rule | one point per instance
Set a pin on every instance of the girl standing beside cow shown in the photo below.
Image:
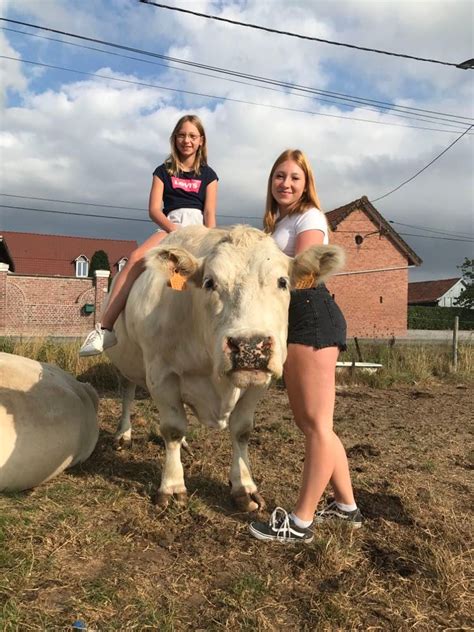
(183, 192)
(316, 334)
(186, 187)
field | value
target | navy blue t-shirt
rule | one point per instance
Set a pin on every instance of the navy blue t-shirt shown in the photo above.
(187, 190)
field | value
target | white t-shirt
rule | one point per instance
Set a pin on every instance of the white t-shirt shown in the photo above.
(288, 228)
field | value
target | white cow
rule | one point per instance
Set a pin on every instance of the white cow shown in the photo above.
(213, 346)
(48, 422)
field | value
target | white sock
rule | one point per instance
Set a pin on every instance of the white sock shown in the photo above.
(344, 507)
(302, 524)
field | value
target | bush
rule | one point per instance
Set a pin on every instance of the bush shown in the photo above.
(420, 317)
(99, 261)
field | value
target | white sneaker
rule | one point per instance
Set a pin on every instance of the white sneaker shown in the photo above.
(98, 340)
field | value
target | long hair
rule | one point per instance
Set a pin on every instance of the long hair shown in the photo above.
(173, 163)
(308, 200)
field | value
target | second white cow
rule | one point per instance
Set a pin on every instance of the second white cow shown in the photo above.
(48, 422)
(214, 346)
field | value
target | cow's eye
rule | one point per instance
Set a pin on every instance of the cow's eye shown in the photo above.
(283, 283)
(208, 284)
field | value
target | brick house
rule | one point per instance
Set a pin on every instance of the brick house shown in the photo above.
(44, 284)
(438, 293)
(42, 293)
(372, 290)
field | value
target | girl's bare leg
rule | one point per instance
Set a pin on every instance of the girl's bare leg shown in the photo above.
(310, 382)
(126, 278)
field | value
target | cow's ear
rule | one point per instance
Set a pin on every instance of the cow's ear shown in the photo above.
(172, 260)
(315, 264)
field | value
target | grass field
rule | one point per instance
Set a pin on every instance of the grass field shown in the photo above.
(90, 544)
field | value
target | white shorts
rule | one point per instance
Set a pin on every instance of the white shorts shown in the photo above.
(184, 217)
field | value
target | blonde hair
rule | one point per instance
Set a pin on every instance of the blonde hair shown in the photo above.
(173, 163)
(308, 200)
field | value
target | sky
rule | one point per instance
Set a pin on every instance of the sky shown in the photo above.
(97, 137)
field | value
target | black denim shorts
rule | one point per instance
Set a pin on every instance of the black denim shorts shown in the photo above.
(315, 320)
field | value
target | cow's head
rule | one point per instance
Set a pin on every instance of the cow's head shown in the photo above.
(241, 291)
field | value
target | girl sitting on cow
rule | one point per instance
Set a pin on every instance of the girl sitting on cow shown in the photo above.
(316, 334)
(186, 187)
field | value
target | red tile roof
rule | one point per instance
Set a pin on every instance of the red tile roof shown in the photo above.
(429, 291)
(336, 216)
(33, 253)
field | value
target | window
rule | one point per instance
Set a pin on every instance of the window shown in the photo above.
(381, 299)
(121, 263)
(82, 266)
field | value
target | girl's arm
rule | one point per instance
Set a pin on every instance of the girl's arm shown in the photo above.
(155, 205)
(308, 238)
(210, 203)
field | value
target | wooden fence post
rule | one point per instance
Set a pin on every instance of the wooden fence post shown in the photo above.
(455, 343)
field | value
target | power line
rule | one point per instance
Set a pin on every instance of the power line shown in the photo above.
(424, 168)
(383, 233)
(335, 95)
(441, 238)
(115, 206)
(43, 210)
(136, 219)
(256, 217)
(429, 230)
(337, 98)
(304, 37)
(114, 217)
(347, 101)
(221, 98)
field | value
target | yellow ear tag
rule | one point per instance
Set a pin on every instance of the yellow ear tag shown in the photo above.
(306, 282)
(177, 281)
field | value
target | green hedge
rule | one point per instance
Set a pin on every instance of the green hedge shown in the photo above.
(420, 317)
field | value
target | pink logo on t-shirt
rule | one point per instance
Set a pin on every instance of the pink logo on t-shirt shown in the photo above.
(192, 186)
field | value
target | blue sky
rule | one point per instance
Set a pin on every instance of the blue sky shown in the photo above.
(68, 136)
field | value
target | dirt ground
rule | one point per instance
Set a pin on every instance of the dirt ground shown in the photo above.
(91, 545)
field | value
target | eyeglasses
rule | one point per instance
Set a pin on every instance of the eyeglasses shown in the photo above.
(192, 137)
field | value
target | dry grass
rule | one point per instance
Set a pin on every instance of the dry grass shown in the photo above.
(402, 364)
(96, 370)
(410, 364)
(90, 544)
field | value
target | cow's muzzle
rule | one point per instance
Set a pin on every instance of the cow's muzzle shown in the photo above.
(249, 353)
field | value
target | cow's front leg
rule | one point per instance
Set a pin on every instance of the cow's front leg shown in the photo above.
(123, 434)
(173, 427)
(243, 489)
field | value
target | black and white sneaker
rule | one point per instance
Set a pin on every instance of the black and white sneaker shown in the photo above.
(281, 528)
(332, 511)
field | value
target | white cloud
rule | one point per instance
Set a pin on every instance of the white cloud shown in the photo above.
(11, 73)
(99, 140)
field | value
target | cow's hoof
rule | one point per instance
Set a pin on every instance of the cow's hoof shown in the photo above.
(259, 499)
(181, 498)
(248, 502)
(121, 443)
(160, 499)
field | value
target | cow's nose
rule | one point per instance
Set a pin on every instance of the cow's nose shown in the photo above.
(250, 353)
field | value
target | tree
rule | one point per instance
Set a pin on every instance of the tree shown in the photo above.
(99, 261)
(466, 298)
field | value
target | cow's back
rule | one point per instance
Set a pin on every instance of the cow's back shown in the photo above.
(48, 421)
